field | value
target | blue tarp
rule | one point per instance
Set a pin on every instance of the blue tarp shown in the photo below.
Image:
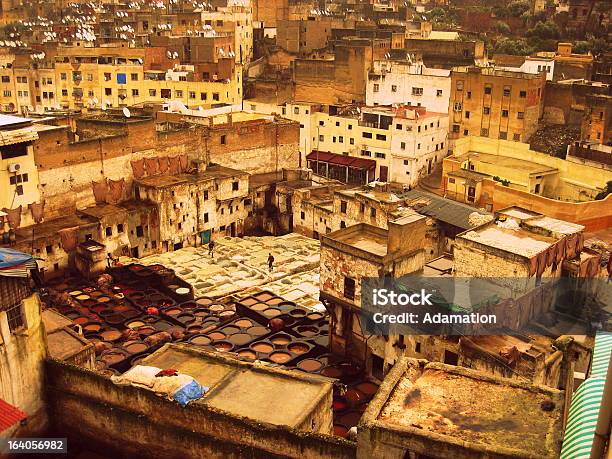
(189, 392)
(10, 258)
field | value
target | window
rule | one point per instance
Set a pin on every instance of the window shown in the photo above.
(203, 96)
(349, 288)
(457, 107)
(520, 115)
(486, 110)
(178, 93)
(398, 127)
(139, 231)
(488, 90)
(503, 135)
(134, 76)
(108, 91)
(366, 153)
(108, 231)
(135, 92)
(337, 123)
(19, 178)
(460, 85)
(469, 95)
(504, 113)
(403, 145)
(352, 141)
(380, 155)
(321, 123)
(152, 92)
(63, 76)
(466, 132)
(373, 212)
(467, 115)
(223, 139)
(455, 128)
(350, 127)
(376, 87)
(321, 138)
(15, 317)
(343, 205)
(451, 180)
(120, 228)
(302, 215)
(215, 96)
(192, 94)
(7, 93)
(393, 88)
(381, 137)
(516, 137)
(296, 110)
(484, 132)
(367, 135)
(341, 139)
(107, 76)
(205, 217)
(417, 91)
(506, 91)
(522, 94)
(235, 186)
(418, 146)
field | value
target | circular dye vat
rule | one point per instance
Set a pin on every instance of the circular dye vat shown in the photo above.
(204, 302)
(257, 331)
(217, 308)
(195, 329)
(146, 330)
(185, 318)
(189, 305)
(240, 339)
(83, 297)
(112, 357)
(110, 335)
(201, 313)
(136, 347)
(331, 372)
(271, 312)
(262, 347)
(274, 301)
(249, 301)
(308, 331)
(298, 348)
(315, 316)
(367, 388)
(340, 431)
(310, 365)
(200, 340)
(173, 311)
(244, 323)
(103, 299)
(280, 357)
(227, 313)
(297, 313)
(182, 291)
(216, 335)
(75, 293)
(92, 327)
(354, 396)
(223, 346)
(264, 296)
(281, 340)
(230, 330)
(247, 354)
(81, 320)
(259, 307)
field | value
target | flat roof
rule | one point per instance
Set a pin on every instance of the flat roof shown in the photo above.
(10, 121)
(505, 415)
(364, 237)
(517, 241)
(522, 165)
(253, 390)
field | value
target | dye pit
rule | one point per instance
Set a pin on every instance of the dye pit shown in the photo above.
(131, 311)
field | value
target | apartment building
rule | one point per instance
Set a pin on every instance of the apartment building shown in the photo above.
(404, 142)
(494, 103)
(408, 82)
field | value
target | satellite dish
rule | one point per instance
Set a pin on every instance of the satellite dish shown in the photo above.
(126, 112)
(200, 108)
(40, 110)
(169, 54)
(103, 107)
(175, 55)
(95, 100)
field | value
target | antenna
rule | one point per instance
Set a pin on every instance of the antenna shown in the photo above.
(126, 112)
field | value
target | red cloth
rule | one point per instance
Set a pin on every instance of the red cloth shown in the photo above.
(167, 372)
(69, 238)
(174, 165)
(151, 165)
(14, 217)
(138, 168)
(116, 191)
(100, 191)
(571, 246)
(163, 165)
(560, 252)
(38, 211)
(10, 415)
(184, 163)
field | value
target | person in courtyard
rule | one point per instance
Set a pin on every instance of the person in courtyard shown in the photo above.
(211, 249)
(270, 262)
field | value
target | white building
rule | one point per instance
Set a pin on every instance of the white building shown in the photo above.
(409, 83)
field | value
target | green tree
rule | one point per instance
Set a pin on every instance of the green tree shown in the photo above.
(518, 7)
(502, 28)
(518, 47)
(544, 30)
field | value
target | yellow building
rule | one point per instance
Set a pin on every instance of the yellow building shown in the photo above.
(118, 77)
(18, 173)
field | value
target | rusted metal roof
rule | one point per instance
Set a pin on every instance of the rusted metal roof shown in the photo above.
(342, 160)
(10, 415)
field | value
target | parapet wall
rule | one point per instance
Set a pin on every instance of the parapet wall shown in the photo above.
(87, 407)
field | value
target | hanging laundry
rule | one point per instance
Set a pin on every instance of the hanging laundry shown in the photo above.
(138, 168)
(100, 191)
(14, 217)
(69, 238)
(38, 211)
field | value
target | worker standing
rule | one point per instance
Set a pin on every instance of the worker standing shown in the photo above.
(211, 249)
(270, 262)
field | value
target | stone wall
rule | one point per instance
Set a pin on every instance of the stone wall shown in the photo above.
(128, 420)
